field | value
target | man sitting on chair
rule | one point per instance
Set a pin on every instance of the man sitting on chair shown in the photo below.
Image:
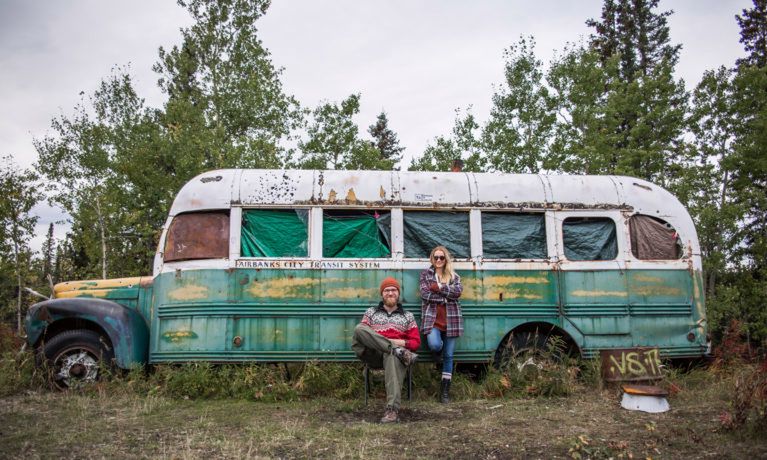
(387, 337)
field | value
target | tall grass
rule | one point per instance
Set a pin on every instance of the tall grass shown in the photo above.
(17, 368)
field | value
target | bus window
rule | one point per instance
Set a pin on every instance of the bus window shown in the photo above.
(653, 238)
(199, 235)
(274, 233)
(589, 238)
(357, 234)
(423, 230)
(513, 236)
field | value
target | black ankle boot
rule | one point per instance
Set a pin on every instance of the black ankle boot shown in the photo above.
(444, 396)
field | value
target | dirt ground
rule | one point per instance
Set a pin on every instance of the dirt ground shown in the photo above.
(589, 424)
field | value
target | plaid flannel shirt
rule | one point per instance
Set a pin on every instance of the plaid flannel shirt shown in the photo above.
(448, 295)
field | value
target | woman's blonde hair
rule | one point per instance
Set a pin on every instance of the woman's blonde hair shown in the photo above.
(447, 272)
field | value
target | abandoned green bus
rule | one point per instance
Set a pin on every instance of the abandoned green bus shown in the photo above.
(279, 265)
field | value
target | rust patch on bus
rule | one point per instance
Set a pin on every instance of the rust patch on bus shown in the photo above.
(191, 292)
(332, 195)
(351, 197)
(382, 193)
(581, 293)
(658, 290)
(300, 288)
(351, 293)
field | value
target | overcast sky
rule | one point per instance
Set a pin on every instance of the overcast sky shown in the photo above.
(416, 60)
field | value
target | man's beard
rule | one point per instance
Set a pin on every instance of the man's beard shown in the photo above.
(390, 301)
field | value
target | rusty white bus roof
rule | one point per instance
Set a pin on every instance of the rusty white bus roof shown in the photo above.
(224, 188)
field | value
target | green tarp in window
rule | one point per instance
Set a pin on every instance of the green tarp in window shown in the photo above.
(513, 236)
(589, 239)
(355, 236)
(274, 233)
(423, 230)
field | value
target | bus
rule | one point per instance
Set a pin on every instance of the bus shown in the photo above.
(279, 265)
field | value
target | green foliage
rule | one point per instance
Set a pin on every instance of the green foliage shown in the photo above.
(333, 140)
(753, 34)
(226, 106)
(17, 369)
(635, 33)
(463, 145)
(20, 194)
(385, 140)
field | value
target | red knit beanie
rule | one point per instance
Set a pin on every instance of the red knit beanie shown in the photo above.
(389, 282)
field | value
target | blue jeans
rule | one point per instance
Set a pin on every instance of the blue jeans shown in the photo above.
(438, 341)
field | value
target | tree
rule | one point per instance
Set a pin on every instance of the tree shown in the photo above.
(463, 144)
(85, 157)
(226, 107)
(753, 34)
(48, 253)
(385, 140)
(631, 30)
(707, 185)
(517, 134)
(20, 194)
(607, 125)
(516, 137)
(333, 141)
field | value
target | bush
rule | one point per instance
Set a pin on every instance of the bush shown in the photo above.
(748, 400)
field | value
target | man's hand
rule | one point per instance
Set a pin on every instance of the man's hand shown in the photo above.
(397, 342)
(434, 287)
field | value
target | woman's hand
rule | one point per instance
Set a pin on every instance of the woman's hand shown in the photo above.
(397, 342)
(434, 287)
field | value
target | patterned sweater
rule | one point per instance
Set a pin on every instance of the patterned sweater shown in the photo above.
(400, 324)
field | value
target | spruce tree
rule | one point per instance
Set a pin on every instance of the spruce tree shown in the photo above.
(753, 34)
(385, 140)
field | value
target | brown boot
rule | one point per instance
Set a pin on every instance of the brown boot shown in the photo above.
(390, 415)
(406, 356)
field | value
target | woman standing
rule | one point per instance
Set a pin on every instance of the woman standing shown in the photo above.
(441, 318)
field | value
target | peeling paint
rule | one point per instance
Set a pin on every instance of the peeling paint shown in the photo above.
(351, 293)
(511, 294)
(300, 288)
(506, 280)
(88, 285)
(178, 336)
(657, 290)
(581, 293)
(191, 292)
(97, 293)
(332, 195)
(382, 193)
(647, 279)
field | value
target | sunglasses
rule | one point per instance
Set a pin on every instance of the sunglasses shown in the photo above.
(440, 258)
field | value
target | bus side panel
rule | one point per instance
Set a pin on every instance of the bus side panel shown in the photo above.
(661, 310)
(187, 319)
(596, 302)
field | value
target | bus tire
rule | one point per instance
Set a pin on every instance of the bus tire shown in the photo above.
(76, 357)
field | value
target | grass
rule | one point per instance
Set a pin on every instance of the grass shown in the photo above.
(525, 409)
(147, 416)
(587, 423)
